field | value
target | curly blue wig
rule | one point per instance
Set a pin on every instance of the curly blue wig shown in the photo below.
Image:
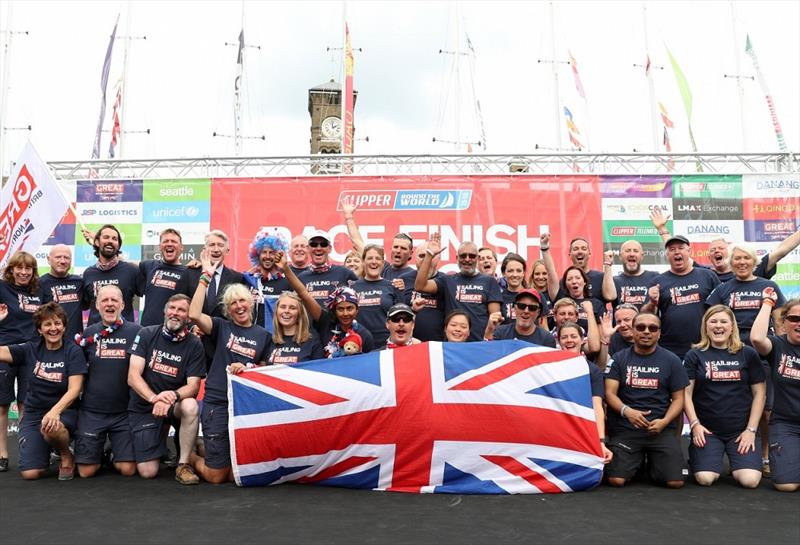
(266, 238)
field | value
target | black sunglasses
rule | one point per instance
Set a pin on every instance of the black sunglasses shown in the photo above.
(467, 256)
(652, 328)
(523, 306)
(405, 318)
(318, 244)
(794, 318)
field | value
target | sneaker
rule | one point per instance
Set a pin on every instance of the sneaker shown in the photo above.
(765, 471)
(66, 473)
(184, 474)
(3, 465)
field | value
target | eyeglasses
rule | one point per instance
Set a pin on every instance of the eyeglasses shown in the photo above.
(794, 318)
(318, 244)
(652, 328)
(467, 256)
(404, 318)
(523, 306)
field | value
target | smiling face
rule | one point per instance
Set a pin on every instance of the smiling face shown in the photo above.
(176, 315)
(345, 314)
(373, 264)
(566, 313)
(354, 263)
(52, 330)
(401, 328)
(678, 255)
(109, 303)
(487, 262)
(320, 248)
(217, 248)
(539, 277)
(624, 319)
(719, 328)
(107, 240)
(267, 259)
(240, 309)
(288, 312)
(646, 332)
(742, 264)
(579, 253)
(170, 248)
(298, 251)
(467, 258)
(527, 312)
(60, 260)
(791, 324)
(631, 255)
(457, 329)
(22, 274)
(514, 275)
(570, 339)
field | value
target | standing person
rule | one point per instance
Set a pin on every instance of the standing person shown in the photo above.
(299, 255)
(783, 354)
(376, 295)
(104, 404)
(167, 363)
(354, 262)
(574, 284)
(528, 305)
(600, 285)
(537, 279)
(513, 270)
(217, 246)
(622, 336)
(55, 374)
(266, 281)
(468, 290)
(570, 338)
(400, 323)
(456, 327)
(240, 345)
(679, 295)
(645, 392)
(632, 282)
(487, 261)
(160, 279)
(724, 401)
(336, 320)
(19, 294)
(401, 254)
(292, 339)
(64, 288)
(109, 269)
(429, 307)
(323, 277)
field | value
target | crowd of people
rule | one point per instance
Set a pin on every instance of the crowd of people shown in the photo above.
(717, 343)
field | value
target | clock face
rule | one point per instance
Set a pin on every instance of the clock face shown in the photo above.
(331, 127)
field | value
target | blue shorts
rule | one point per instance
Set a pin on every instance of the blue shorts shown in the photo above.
(149, 435)
(709, 457)
(8, 375)
(34, 451)
(90, 437)
(770, 387)
(215, 434)
(784, 452)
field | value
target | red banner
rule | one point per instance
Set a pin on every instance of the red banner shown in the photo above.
(504, 212)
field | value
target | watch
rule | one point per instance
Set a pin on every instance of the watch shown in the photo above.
(752, 430)
(331, 127)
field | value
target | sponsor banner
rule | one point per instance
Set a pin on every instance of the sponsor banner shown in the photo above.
(772, 209)
(64, 233)
(190, 251)
(766, 186)
(788, 275)
(707, 209)
(191, 233)
(109, 212)
(617, 232)
(634, 209)
(709, 230)
(177, 190)
(131, 245)
(772, 230)
(182, 212)
(505, 212)
(109, 191)
(41, 258)
(636, 186)
(707, 187)
(652, 254)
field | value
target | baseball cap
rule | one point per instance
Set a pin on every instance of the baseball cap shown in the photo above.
(531, 292)
(677, 238)
(319, 234)
(400, 308)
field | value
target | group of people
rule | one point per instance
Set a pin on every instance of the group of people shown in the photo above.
(718, 343)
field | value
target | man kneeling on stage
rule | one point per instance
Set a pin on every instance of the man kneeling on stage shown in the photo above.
(167, 363)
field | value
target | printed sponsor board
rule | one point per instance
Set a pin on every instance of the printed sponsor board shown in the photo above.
(131, 245)
(191, 233)
(427, 199)
(788, 274)
(109, 212)
(178, 212)
(177, 190)
(636, 186)
(617, 232)
(770, 230)
(772, 209)
(653, 253)
(707, 209)
(190, 251)
(707, 187)
(709, 230)
(765, 186)
(109, 191)
(634, 209)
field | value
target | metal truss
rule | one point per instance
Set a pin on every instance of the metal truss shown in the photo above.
(432, 165)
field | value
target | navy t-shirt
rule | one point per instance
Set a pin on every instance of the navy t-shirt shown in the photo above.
(744, 299)
(167, 364)
(539, 335)
(646, 383)
(682, 303)
(722, 396)
(598, 309)
(235, 344)
(265, 293)
(67, 292)
(158, 281)
(375, 298)
(48, 371)
(290, 352)
(595, 286)
(785, 363)
(633, 289)
(507, 308)
(390, 273)
(124, 275)
(18, 326)
(320, 285)
(596, 380)
(106, 387)
(472, 294)
(761, 271)
(327, 323)
(617, 343)
(429, 321)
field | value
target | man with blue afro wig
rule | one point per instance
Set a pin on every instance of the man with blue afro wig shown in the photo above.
(266, 280)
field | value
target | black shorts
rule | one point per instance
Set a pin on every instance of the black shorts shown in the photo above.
(34, 450)
(215, 435)
(8, 375)
(149, 435)
(664, 455)
(90, 438)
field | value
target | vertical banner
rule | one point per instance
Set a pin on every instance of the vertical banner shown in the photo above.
(348, 103)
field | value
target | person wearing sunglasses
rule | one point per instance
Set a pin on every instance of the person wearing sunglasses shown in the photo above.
(322, 278)
(429, 307)
(266, 281)
(400, 323)
(782, 352)
(468, 290)
(528, 306)
(724, 401)
(644, 392)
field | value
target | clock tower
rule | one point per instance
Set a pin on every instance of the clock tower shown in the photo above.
(325, 109)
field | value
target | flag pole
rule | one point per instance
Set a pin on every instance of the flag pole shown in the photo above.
(651, 86)
(739, 86)
(556, 101)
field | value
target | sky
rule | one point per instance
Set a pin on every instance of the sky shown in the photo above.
(179, 82)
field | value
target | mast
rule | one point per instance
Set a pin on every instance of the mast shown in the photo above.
(124, 103)
(740, 88)
(651, 87)
(556, 101)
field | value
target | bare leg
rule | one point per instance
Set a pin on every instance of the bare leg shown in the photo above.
(3, 431)
(188, 411)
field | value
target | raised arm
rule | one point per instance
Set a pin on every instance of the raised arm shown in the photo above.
(593, 333)
(549, 265)
(422, 283)
(607, 329)
(352, 227)
(760, 330)
(782, 250)
(313, 308)
(202, 320)
(609, 288)
(659, 221)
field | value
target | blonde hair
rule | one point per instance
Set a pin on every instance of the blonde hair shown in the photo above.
(303, 333)
(233, 292)
(734, 341)
(744, 248)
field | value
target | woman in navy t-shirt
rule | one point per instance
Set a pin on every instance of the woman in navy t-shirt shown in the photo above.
(376, 295)
(292, 339)
(724, 401)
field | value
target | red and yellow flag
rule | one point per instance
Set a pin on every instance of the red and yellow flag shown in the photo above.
(348, 103)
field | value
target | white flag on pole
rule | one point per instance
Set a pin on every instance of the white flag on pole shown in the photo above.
(31, 205)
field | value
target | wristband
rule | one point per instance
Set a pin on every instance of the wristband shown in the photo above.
(693, 423)
(205, 278)
(768, 302)
(430, 252)
(177, 396)
(622, 411)
(751, 430)
(663, 232)
(544, 248)
(209, 273)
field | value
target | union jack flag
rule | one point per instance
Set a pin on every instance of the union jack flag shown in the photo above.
(497, 417)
